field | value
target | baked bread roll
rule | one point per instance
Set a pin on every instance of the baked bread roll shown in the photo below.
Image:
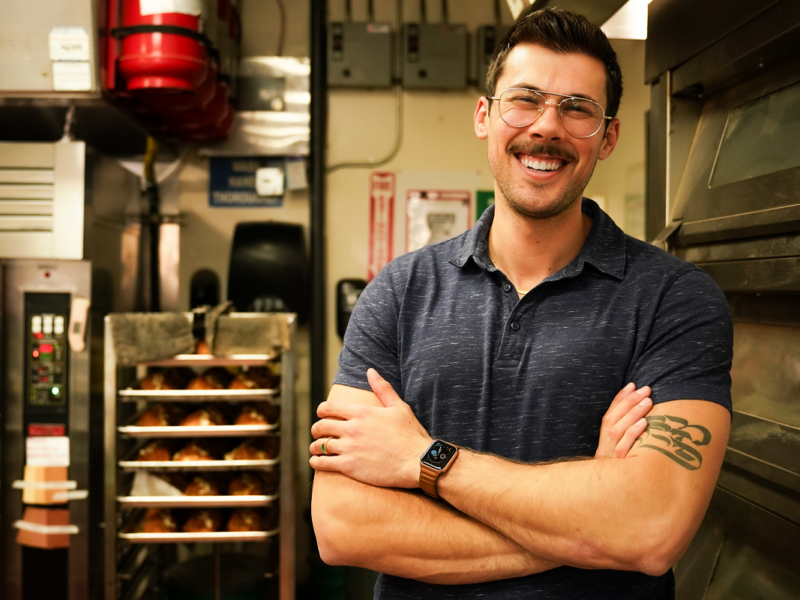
(193, 451)
(201, 485)
(216, 378)
(158, 381)
(207, 416)
(262, 414)
(202, 520)
(246, 484)
(262, 449)
(244, 519)
(154, 451)
(160, 415)
(159, 520)
(174, 378)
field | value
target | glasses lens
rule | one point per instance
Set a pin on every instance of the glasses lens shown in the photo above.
(520, 107)
(581, 118)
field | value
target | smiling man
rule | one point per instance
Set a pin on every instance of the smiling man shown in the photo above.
(485, 372)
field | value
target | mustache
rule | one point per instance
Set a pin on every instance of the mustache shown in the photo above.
(542, 149)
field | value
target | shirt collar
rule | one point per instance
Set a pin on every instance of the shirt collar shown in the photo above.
(604, 247)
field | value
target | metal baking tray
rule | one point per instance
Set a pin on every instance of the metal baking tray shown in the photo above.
(196, 501)
(130, 429)
(257, 395)
(216, 536)
(205, 360)
(196, 465)
(206, 431)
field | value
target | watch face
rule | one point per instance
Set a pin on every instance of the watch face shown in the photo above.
(439, 455)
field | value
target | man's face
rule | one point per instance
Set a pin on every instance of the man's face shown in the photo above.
(547, 191)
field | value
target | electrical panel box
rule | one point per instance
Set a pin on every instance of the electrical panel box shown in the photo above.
(434, 56)
(487, 39)
(359, 55)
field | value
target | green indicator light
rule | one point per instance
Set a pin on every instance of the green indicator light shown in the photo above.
(56, 391)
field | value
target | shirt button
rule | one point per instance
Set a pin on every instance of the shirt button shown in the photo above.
(507, 287)
(515, 326)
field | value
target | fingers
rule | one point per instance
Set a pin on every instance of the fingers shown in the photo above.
(631, 435)
(625, 401)
(338, 410)
(325, 463)
(325, 446)
(624, 392)
(327, 428)
(383, 389)
(623, 423)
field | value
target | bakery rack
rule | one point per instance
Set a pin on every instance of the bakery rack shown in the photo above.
(134, 560)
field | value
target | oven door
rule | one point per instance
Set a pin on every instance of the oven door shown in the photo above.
(739, 201)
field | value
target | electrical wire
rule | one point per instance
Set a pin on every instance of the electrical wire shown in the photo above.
(398, 142)
(150, 155)
(423, 13)
(398, 136)
(445, 17)
(370, 11)
(282, 27)
(69, 121)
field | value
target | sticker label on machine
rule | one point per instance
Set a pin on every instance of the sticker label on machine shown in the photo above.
(70, 53)
(47, 451)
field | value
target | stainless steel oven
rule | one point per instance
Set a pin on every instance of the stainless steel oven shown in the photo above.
(69, 246)
(724, 193)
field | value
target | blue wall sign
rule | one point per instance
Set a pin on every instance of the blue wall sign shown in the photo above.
(232, 181)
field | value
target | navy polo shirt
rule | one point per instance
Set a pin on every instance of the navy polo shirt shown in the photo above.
(530, 379)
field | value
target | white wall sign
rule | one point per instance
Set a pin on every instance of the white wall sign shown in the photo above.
(434, 216)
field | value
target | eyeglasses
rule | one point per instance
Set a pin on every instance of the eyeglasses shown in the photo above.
(581, 118)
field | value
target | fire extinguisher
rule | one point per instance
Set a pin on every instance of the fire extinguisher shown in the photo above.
(163, 52)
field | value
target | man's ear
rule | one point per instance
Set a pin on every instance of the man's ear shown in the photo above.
(482, 118)
(610, 140)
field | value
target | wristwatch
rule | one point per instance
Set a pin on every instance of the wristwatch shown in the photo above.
(434, 461)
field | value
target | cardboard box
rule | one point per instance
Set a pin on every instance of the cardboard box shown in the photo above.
(43, 475)
(38, 521)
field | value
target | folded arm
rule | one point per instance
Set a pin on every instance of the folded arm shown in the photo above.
(634, 513)
(406, 534)
(639, 513)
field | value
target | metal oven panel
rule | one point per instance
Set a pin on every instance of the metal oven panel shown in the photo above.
(757, 206)
(34, 288)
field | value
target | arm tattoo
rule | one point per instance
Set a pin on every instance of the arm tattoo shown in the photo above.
(671, 436)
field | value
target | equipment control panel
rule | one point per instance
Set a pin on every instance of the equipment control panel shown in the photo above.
(47, 349)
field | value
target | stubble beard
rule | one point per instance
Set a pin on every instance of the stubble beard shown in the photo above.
(518, 198)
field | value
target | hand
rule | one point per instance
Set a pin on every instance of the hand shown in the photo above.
(624, 422)
(380, 446)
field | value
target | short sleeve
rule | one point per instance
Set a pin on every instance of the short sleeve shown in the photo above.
(689, 349)
(371, 336)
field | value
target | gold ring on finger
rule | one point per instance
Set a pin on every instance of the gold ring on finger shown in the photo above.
(326, 444)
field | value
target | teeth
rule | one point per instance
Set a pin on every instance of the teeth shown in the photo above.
(540, 165)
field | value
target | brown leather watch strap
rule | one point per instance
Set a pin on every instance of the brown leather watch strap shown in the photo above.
(427, 480)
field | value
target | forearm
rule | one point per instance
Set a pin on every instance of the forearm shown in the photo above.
(404, 534)
(634, 513)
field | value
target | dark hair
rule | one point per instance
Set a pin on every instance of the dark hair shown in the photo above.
(563, 32)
